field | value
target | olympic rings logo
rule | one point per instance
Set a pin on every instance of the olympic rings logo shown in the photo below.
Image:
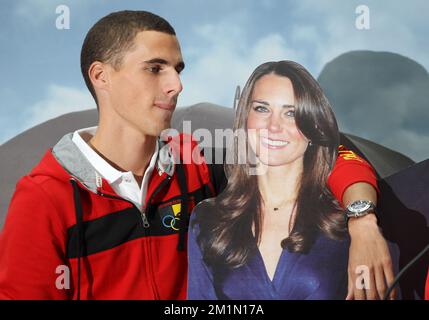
(169, 221)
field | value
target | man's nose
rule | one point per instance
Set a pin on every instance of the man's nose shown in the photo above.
(174, 85)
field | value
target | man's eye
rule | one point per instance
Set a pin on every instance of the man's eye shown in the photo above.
(260, 109)
(154, 69)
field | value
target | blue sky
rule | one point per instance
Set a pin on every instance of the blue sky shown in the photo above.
(222, 42)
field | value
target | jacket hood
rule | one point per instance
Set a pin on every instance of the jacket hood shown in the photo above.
(65, 161)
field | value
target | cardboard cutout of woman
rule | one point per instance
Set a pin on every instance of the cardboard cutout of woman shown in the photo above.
(276, 231)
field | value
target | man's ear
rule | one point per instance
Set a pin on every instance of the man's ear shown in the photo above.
(99, 75)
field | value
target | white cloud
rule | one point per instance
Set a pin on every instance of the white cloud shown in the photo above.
(227, 59)
(327, 28)
(58, 101)
(39, 11)
(36, 11)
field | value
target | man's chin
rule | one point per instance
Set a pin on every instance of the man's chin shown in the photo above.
(161, 128)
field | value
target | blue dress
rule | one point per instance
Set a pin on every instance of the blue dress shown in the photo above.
(319, 275)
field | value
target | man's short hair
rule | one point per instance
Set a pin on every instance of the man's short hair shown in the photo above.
(113, 35)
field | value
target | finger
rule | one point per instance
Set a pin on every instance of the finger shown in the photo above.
(359, 294)
(390, 277)
(359, 288)
(350, 282)
(380, 283)
(371, 288)
(350, 294)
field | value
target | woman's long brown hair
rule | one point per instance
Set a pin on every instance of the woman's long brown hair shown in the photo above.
(228, 230)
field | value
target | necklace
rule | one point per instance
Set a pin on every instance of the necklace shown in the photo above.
(281, 205)
(292, 212)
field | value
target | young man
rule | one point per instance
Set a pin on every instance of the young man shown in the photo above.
(104, 214)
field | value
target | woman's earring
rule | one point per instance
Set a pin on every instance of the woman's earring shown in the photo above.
(310, 143)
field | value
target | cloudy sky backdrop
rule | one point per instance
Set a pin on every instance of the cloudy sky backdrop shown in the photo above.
(222, 42)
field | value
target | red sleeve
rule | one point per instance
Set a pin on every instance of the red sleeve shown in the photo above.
(32, 246)
(349, 169)
(427, 287)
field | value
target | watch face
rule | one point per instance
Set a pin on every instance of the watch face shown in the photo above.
(359, 206)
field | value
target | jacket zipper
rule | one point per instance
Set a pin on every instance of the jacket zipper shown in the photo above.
(148, 247)
(143, 213)
(144, 218)
(158, 189)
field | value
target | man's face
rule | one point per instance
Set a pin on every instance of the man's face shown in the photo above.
(143, 91)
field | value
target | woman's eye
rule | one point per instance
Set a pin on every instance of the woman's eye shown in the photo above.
(260, 109)
(290, 113)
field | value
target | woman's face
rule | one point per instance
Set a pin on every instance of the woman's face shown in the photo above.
(272, 131)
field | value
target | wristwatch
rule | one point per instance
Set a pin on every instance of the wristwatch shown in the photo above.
(360, 208)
